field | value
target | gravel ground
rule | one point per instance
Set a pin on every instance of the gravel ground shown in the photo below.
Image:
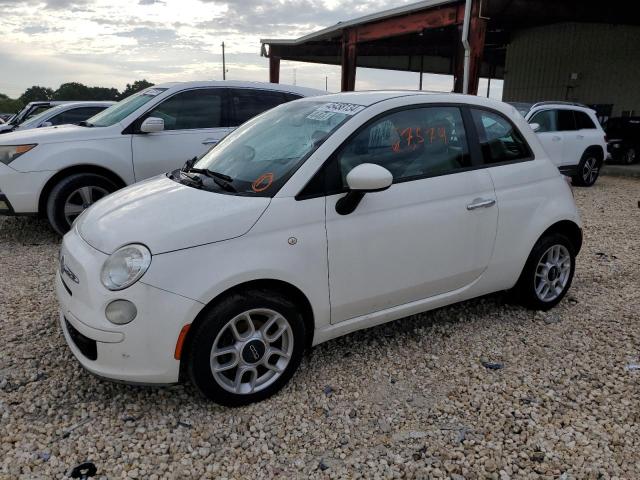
(409, 399)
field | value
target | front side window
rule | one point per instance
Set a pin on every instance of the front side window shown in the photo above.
(261, 155)
(583, 122)
(547, 119)
(124, 108)
(499, 140)
(247, 103)
(193, 109)
(411, 143)
(75, 115)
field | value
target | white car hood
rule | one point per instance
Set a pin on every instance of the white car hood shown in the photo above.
(44, 135)
(165, 215)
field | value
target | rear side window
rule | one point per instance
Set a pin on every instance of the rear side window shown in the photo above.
(193, 109)
(75, 115)
(547, 119)
(499, 140)
(566, 121)
(247, 103)
(412, 143)
(583, 121)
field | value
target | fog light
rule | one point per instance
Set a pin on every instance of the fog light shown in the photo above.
(120, 312)
(3, 205)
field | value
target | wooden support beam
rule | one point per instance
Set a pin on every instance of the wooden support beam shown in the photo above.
(348, 78)
(274, 69)
(477, 31)
(411, 23)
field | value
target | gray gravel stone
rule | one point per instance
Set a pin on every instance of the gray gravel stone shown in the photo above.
(566, 404)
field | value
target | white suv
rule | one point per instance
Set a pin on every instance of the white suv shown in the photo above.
(320, 217)
(65, 114)
(573, 138)
(58, 172)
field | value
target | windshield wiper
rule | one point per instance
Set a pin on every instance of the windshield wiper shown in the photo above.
(220, 179)
(84, 123)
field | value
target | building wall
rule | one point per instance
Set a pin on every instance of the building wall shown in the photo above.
(606, 58)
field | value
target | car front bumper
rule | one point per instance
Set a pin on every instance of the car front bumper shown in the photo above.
(20, 191)
(141, 351)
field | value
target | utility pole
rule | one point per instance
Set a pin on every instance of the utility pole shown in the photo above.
(326, 83)
(224, 66)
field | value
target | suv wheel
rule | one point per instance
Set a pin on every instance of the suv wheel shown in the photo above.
(73, 195)
(629, 156)
(246, 348)
(588, 170)
(548, 273)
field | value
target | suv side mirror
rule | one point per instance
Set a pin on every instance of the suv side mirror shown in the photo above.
(365, 178)
(152, 125)
(535, 126)
(46, 124)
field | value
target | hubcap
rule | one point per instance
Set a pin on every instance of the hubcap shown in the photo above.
(590, 170)
(552, 273)
(80, 200)
(251, 351)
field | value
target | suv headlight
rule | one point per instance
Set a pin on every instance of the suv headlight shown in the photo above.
(125, 266)
(8, 153)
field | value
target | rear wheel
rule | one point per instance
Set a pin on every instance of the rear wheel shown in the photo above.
(630, 156)
(247, 348)
(73, 195)
(588, 170)
(548, 273)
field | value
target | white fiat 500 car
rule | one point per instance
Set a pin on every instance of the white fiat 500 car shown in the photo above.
(317, 218)
(58, 172)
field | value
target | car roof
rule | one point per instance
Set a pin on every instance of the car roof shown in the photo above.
(242, 84)
(367, 98)
(88, 103)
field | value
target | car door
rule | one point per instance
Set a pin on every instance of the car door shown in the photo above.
(552, 140)
(573, 142)
(588, 133)
(431, 232)
(194, 121)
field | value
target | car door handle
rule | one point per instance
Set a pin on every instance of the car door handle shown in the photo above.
(481, 203)
(556, 138)
(580, 137)
(210, 141)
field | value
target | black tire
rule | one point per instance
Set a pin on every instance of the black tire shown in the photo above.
(525, 290)
(68, 189)
(588, 169)
(630, 156)
(214, 326)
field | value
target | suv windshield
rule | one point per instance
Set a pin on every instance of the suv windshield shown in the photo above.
(37, 118)
(123, 108)
(264, 152)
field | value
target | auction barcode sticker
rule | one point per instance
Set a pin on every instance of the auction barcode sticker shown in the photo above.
(344, 108)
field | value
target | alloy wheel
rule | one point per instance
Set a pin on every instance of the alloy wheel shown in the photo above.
(630, 156)
(251, 351)
(80, 200)
(552, 273)
(590, 170)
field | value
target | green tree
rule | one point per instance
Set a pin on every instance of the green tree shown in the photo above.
(72, 91)
(135, 87)
(36, 93)
(9, 105)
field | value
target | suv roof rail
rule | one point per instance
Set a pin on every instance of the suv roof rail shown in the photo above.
(549, 102)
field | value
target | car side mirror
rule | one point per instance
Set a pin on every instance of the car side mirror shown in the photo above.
(152, 125)
(46, 124)
(365, 178)
(535, 126)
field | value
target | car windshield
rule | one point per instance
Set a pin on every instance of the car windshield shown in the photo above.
(123, 108)
(264, 152)
(32, 121)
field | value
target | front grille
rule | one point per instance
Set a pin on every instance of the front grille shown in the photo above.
(86, 345)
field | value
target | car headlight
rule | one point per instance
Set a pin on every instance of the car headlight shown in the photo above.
(125, 266)
(8, 153)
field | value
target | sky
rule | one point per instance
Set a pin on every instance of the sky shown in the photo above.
(110, 43)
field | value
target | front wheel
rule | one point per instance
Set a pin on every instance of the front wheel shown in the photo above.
(246, 348)
(588, 170)
(629, 156)
(73, 195)
(548, 273)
